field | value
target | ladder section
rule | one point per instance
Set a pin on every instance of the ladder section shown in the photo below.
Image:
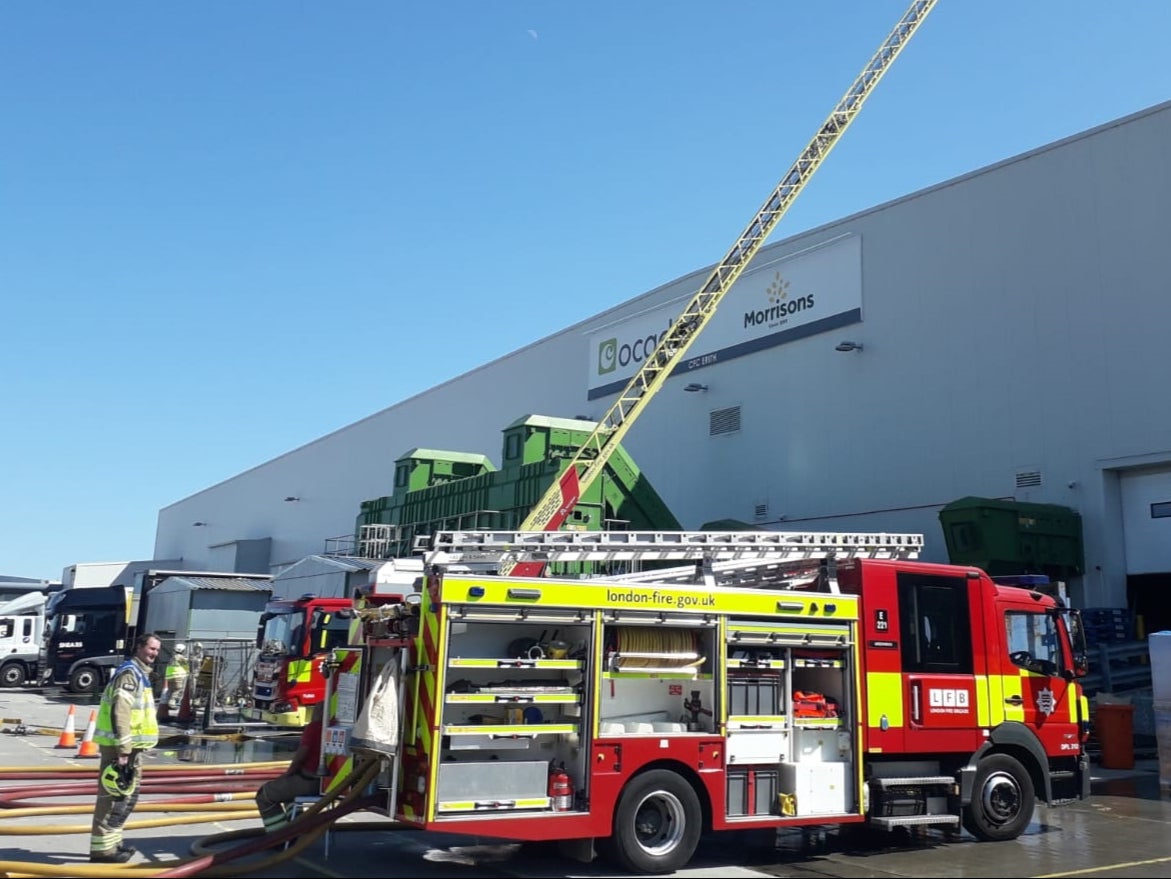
(800, 573)
(510, 547)
(551, 511)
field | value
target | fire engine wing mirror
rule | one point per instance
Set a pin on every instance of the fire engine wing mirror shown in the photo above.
(1077, 643)
(264, 618)
(413, 599)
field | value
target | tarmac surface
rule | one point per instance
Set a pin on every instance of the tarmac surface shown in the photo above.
(1124, 830)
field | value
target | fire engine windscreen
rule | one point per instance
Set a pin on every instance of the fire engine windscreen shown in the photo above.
(284, 633)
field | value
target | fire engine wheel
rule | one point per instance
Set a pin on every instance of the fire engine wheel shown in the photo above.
(13, 675)
(1002, 800)
(84, 680)
(656, 824)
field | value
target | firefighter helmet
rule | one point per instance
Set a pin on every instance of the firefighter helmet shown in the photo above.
(118, 781)
(180, 649)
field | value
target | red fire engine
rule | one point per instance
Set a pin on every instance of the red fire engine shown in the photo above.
(774, 680)
(771, 680)
(294, 638)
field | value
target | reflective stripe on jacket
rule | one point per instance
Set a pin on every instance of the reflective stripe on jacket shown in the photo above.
(144, 723)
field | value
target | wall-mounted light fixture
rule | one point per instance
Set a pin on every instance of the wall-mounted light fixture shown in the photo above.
(291, 499)
(695, 388)
(198, 524)
(848, 346)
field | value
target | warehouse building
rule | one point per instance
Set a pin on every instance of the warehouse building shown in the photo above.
(999, 335)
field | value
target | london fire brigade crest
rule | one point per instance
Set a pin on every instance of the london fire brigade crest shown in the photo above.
(1046, 704)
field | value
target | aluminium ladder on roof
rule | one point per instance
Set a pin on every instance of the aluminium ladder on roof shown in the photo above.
(810, 574)
(509, 547)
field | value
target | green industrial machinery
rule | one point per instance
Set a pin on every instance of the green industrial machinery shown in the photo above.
(437, 490)
(1006, 537)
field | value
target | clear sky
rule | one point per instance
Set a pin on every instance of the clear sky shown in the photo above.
(229, 228)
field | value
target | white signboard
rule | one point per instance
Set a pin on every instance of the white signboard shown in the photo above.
(347, 698)
(775, 302)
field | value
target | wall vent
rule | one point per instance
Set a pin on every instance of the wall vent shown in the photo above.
(1028, 479)
(721, 421)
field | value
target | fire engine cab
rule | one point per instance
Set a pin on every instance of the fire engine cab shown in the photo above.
(294, 637)
(721, 680)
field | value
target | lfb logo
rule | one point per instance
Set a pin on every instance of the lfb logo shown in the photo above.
(948, 699)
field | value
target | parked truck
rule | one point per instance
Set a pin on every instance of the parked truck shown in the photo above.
(763, 680)
(85, 631)
(89, 631)
(22, 625)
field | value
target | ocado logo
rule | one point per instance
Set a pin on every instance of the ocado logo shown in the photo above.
(613, 354)
(607, 356)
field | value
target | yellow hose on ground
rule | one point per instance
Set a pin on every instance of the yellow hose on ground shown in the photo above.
(202, 818)
(164, 742)
(362, 777)
(28, 870)
(162, 767)
(83, 809)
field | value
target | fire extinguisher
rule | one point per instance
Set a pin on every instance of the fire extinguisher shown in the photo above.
(560, 788)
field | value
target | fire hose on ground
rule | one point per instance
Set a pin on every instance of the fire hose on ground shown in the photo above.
(214, 793)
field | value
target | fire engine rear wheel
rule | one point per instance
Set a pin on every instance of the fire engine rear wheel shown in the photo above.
(84, 680)
(13, 675)
(656, 824)
(1002, 800)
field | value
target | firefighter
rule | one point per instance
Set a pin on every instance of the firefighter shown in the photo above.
(126, 727)
(176, 678)
(300, 779)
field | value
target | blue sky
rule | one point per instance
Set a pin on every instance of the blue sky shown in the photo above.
(229, 228)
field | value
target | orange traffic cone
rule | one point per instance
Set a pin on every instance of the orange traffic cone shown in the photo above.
(68, 737)
(89, 748)
(186, 713)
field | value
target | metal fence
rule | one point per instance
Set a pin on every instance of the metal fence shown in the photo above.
(218, 682)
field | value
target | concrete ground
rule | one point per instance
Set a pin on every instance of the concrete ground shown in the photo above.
(1123, 830)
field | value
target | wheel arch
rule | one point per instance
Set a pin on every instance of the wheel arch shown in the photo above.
(689, 775)
(1019, 742)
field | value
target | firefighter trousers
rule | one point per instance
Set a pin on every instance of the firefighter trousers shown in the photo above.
(275, 795)
(112, 813)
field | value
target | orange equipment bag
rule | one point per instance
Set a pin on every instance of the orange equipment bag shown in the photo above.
(807, 704)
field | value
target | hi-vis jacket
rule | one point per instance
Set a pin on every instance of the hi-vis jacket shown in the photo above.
(177, 668)
(127, 718)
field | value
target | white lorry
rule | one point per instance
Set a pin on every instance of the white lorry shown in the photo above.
(22, 626)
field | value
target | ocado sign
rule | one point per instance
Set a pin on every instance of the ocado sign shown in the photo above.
(779, 301)
(615, 353)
